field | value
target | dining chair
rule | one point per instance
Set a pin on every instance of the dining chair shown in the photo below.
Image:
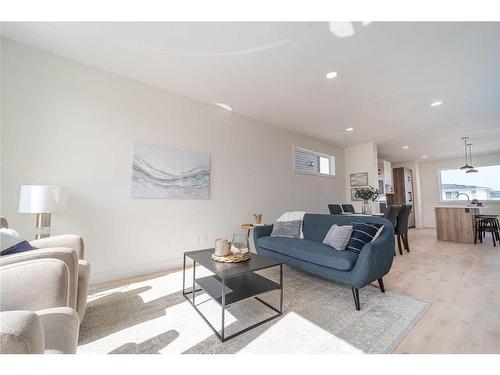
(486, 223)
(391, 213)
(402, 227)
(335, 209)
(348, 208)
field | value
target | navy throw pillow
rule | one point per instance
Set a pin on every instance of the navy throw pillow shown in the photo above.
(12, 243)
(362, 233)
(18, 248)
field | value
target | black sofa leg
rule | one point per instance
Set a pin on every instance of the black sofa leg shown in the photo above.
(355, 294)
(381, 284)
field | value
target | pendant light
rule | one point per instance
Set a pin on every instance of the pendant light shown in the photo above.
(466, 166)
(472, 170)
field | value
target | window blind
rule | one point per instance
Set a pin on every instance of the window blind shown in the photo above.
(306, 161)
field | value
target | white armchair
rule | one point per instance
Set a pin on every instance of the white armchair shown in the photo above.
(83, 275)
(67, 248)
(29, 322)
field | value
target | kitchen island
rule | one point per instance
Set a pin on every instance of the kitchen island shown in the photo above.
(456, 223)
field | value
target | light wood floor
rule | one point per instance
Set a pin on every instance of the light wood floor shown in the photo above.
(463, 284)
(461, 281)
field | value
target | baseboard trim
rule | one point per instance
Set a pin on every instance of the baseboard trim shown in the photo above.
(142, 269)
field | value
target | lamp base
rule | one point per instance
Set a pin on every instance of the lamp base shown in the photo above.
(42, 226)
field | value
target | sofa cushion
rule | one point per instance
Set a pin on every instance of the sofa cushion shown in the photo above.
(290, 229)
(310, 251)
(338, 236)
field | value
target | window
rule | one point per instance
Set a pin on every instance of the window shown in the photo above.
(311, 162)
(456, 184)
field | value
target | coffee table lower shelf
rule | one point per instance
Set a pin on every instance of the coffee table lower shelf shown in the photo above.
(231, 290)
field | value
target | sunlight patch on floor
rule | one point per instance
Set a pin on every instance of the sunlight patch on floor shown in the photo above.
(181, 321)
(300, 333)
(157, 287)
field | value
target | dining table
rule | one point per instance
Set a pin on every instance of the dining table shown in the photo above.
(359, 214)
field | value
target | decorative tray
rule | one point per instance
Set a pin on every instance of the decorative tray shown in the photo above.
(232, 258)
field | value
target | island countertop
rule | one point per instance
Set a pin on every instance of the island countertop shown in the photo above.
(459, 206)
(456, 223)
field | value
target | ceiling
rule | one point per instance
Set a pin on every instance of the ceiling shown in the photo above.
(388, 74)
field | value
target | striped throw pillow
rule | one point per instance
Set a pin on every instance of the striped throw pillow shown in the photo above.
(363, 233)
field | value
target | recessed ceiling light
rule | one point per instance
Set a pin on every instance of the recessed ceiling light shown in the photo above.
(223, 106)
(405, 147)
(436, 103)
(349, 129)
(424, 156)
(332, 75)
(341, 29)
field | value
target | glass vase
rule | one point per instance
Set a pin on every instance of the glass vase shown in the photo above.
(239, 245)
(366, 208)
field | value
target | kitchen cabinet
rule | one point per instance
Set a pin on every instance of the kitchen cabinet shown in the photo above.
(402, 179)
(385, 177)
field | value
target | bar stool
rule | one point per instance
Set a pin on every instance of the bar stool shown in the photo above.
(487, 223)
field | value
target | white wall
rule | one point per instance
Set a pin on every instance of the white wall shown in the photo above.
(429, 181)
(72, 125)
(361, 158)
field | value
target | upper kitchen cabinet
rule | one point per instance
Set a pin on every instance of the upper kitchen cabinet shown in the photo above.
(385, 177)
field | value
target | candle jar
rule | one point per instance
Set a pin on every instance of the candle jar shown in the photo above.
(221, 247)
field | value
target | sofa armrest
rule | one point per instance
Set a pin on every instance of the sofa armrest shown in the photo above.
(261, 231)
(34, 284)
(65, 240)
(21, 332)
(374, 261)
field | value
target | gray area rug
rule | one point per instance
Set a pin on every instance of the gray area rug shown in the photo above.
(152, 316)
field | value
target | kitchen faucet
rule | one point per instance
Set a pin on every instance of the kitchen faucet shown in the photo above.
(459, 194)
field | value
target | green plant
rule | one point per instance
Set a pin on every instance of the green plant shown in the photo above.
(257, 216)
(367, 193)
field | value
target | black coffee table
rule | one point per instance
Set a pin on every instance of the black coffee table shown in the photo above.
(230, 283)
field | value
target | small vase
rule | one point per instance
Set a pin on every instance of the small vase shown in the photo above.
(366, 209)
(239, 245)
(258, 220)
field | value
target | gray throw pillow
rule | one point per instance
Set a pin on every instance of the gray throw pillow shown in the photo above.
(338, 236)
(289, 229)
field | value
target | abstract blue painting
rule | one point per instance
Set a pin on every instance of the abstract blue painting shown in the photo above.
(162, 172)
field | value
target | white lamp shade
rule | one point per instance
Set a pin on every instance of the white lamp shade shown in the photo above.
(38, 199)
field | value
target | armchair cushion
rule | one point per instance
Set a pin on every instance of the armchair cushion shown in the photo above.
(21, 332)
(49, 331)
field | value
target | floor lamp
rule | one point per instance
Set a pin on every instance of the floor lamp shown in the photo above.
(42, 201)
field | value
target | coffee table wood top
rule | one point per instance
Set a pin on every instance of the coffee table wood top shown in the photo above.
(251, 226)
(228, 270)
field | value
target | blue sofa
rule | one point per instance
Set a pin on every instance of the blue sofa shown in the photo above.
(344, 267)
